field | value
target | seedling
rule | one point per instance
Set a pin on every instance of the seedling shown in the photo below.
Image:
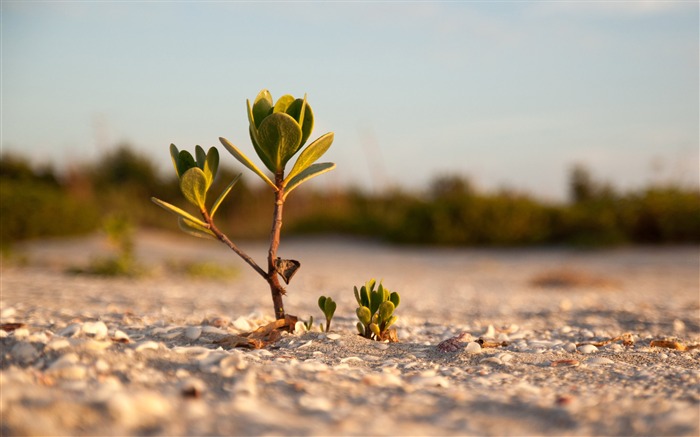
(376, 311)
(278, 131)
(328, 307)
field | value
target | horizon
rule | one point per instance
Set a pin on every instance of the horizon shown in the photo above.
(507, 95)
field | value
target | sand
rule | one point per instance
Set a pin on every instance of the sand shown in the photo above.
(86, 355)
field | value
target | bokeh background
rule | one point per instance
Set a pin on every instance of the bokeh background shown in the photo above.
(458, 123)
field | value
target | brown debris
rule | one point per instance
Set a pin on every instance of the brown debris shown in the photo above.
(484, 344)
(261, 337)
(9, 327)
(625, 338)
(675, 345)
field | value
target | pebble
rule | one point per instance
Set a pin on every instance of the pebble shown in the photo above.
(70, 330)
(587, 349)
(598, 361)
(242, 324)
(473, 348)
(315, 403)
(333, 336)
(193, 332)
(97, 330)
(24, 352)
(8, 312)
(147, 345)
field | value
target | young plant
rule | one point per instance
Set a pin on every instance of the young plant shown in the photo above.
(328, 306)
(278, 130)
(376, 311)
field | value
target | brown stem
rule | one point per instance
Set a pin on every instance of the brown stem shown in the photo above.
(276, 289)
(224, 239)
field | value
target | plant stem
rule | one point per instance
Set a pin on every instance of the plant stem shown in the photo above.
(224, 239)
(276, 289)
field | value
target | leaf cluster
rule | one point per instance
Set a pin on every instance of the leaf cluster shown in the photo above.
(328, 307)
(376, 311)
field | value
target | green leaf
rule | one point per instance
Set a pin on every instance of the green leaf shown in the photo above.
(223, 194)
(200, 156)
(311, 154)
(280, 138)
(185, 161)
(174, 155)
(391, 321)
(194, 187)
(360, 328)
(177, 211)
(194, 229)
(322, 303)
(245, 161)
(395, 299)
(262, 107)
(364, 315)
(253, 131)
(375, 330)
(306, 121)
(329, 308)
(211, 165)
(386, 309)
(283, 103)
(310, 172)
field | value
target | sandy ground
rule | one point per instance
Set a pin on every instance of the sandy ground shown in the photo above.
(99, 356)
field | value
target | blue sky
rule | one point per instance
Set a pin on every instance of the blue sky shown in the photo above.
(510, 94)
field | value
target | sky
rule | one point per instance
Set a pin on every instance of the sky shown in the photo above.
(508, 94)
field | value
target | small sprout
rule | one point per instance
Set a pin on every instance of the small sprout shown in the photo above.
(328, 306)
(310, 324)
(376, 311)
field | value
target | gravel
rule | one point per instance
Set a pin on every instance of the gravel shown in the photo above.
(482, 350)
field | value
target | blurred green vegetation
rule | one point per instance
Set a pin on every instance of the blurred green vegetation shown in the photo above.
(40, 202)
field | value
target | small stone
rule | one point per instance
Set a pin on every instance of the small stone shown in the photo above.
(305, 345)
(241, 324)
(120, 336)
(598, 361)
(8, 312)
(71, 330)
(24, 352)
(193, 332)
(147, 345)
(98, 329)
(490, 332)
(20, 333)
(473, 348)
(587, 349)
(494, 361)
(192, 388)
(333, 336)
(570, 347)
(381, 346)
(351, 360)
(315, 403)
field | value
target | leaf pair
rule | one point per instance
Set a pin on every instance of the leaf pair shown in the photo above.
(328, 307)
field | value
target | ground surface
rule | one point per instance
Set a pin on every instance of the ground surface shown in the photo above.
(97, 356)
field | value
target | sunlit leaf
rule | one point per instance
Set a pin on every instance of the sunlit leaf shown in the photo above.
(177, 211)
(223, 195)
(194, 186)
(211, 165)
(311, 154)
(194, 229)
(311, 171)
(283, 103)
(280, 137)
(245, 161)
(174, 155)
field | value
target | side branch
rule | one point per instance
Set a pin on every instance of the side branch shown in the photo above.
(224, 239)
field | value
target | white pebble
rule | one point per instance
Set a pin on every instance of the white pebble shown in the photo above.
(491, 361)
(490, 332)
(598, 361)
(20, 333)
(570, 347)
(193, 332)
(315, 403)
(241, 324)
(8, 312)
(307, 344)
(351, 360)
(147, 345)
(505, 357)
(473, 348)
(381, 346)
(587, 349)
(333, 336)
(120, 335)
(98, 329)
